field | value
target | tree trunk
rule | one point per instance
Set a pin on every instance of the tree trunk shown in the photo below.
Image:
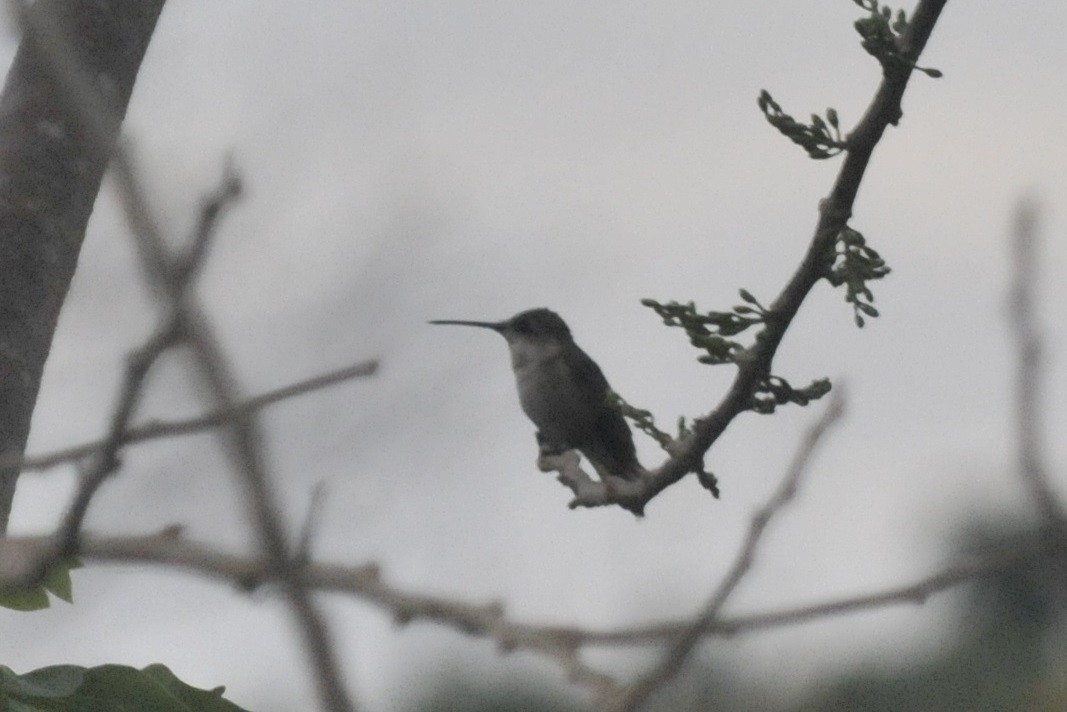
(50, 173)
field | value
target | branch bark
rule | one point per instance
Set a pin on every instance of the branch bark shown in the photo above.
(168, 549)
(49, 178)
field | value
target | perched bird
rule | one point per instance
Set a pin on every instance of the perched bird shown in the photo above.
(564, 392)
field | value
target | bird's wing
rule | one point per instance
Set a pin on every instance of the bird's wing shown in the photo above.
(609, 440)
(588, 377)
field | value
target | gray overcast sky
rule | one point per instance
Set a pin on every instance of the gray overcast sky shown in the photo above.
(417, 160)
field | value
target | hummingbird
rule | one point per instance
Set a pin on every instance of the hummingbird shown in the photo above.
(564, 392)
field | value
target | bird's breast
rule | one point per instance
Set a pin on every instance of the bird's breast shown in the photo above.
(547, 391)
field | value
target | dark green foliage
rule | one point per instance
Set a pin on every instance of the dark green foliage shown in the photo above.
(855, 264)
(69, 688)
(821, 138)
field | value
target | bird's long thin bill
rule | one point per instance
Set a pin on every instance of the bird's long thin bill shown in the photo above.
(495, 326)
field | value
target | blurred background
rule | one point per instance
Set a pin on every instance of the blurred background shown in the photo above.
(407, 161)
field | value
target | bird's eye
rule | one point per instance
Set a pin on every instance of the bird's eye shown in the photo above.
(523, 326)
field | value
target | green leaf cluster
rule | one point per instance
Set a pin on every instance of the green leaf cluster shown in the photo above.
(34, 598)
(774, 391)
(709, 331)
(881, 32)
(855, 264)
(821, 138)
(70, 688)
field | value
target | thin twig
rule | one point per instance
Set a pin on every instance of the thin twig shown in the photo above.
(914, 593)
(635, 696)
(106, 460)
(225, 195)
(1029, 374)
(208, 421)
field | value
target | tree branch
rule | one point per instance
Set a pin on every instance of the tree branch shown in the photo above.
(754, 364)
(174, 428)
(170, 550)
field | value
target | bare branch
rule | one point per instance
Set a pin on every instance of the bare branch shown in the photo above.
(754, 364)
(915, 593)
(219, 417)
(170, 550)
(211, 212)
(634, 697)
(1029, 343)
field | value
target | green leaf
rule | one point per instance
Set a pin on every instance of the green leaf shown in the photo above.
(25, 599)
(69, 688)
(52, 682)
(58, 582)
